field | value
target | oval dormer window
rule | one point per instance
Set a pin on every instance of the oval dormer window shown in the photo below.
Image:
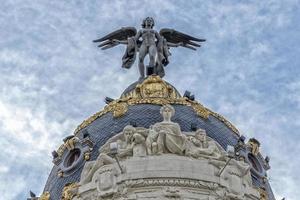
(72, 158)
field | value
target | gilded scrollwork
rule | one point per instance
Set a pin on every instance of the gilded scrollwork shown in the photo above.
(263, 194)
(45, 196)
(69, 191)
(154, 87)
(119, 109)
(153, 90)
(68, 144)
(254, 145)
(225, 121)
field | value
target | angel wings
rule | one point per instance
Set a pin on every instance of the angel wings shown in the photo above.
(147, 41)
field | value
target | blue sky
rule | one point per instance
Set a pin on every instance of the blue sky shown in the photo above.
(53, 77)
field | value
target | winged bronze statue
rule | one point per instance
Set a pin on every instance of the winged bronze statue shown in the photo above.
(148, 41)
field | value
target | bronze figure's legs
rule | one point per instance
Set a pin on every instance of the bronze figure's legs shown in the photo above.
(143, 51)
(152, 55)
(142, 54)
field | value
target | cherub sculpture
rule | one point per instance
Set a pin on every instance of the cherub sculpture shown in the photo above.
(148, 41)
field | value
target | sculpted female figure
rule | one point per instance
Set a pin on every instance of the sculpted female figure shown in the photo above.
(200, 146)
(167, 134)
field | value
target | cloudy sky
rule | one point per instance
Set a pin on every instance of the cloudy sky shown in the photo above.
(53, 77)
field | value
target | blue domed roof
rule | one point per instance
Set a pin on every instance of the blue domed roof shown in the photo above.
(105, 124)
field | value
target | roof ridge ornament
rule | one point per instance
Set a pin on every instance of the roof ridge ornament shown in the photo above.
(148, 41)
(153, 87)
(153, 90)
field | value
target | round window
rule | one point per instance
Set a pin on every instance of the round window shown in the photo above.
(72, 158)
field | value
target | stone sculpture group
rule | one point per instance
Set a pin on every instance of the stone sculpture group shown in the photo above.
(146, 153)
(162, 137)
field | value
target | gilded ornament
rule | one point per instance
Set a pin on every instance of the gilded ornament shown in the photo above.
(200, 110)
(119, 109)
(69, 191)
(87, 156)
(70, 143)
(61, 150)
(155, 87)
(153, 90)
(263, 194)
(60, 174)
(225, 121)
(254, 145)
(45, 196)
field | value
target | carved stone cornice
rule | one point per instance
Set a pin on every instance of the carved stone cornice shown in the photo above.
(176, 182)
(154, 178)
(153, 90)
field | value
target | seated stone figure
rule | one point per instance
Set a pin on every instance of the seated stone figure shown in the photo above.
(151, 141)
(166, 136)
(91, 167)
(198, 146)
(139, 142)
(125, 146)
(237, 175)
(133, 144)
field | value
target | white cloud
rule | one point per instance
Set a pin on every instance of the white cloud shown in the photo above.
(11, 188)
(52, 76)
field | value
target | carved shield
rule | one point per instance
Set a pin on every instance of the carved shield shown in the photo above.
(106, 181)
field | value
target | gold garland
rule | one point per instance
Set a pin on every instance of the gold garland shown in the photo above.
(69, 191)
(263, 194)
(45, 196)
(153, 91)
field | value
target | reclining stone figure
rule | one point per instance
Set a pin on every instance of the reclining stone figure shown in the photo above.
(199, 146)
